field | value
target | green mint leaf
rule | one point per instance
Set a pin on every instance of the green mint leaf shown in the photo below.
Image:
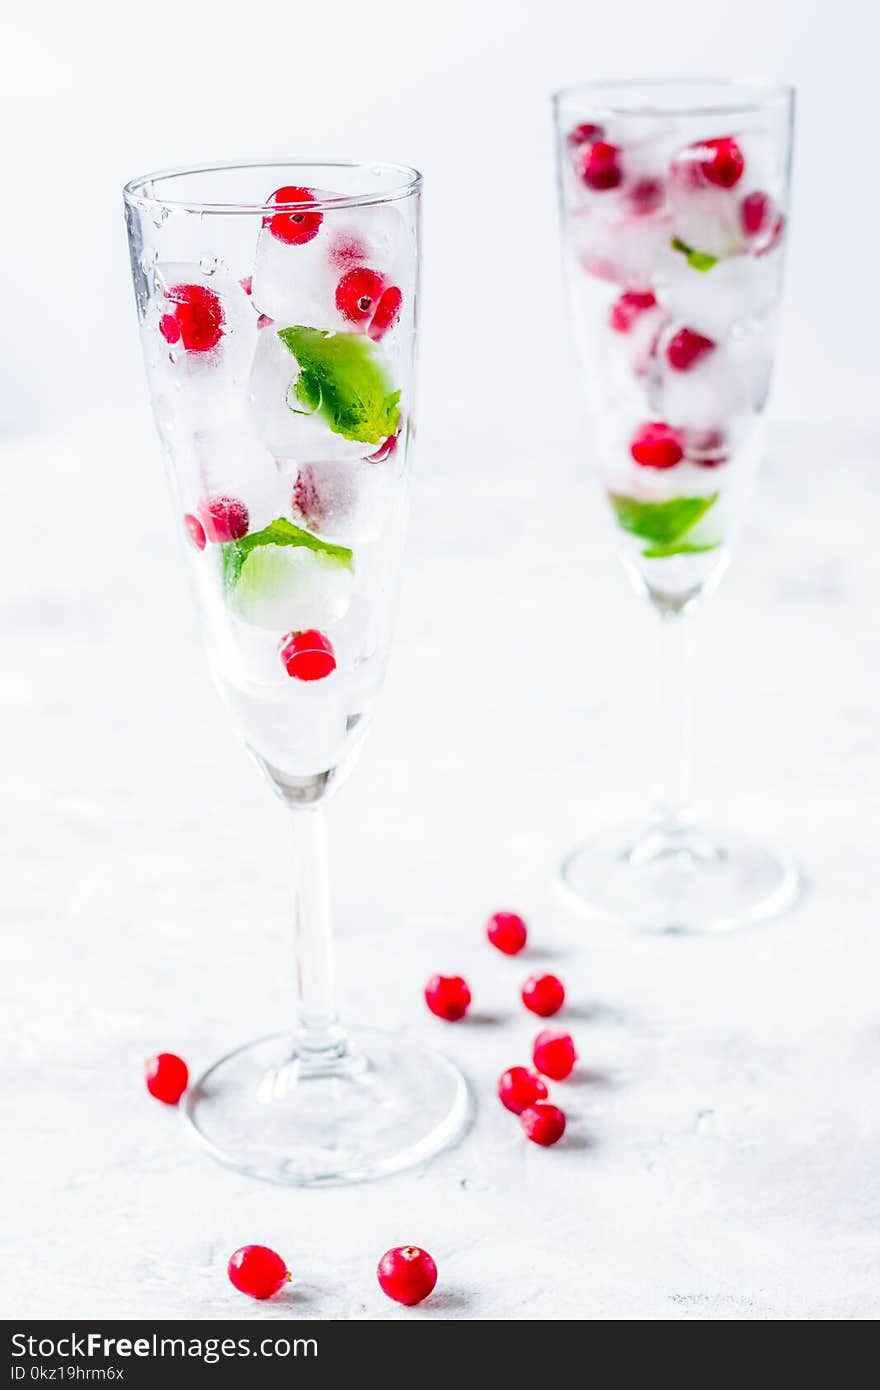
(278, 532)
(344, 378)
(661, 523)
(697, 260)
(662, 552)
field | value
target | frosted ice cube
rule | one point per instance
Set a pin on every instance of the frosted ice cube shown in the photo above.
(740, 290)
(341, 501)
(279, 419)
(229, 460)
(287, 588)
(624, 251)
(712, 395)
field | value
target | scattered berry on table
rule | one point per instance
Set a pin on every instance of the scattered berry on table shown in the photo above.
(407, 1274)
(543, 994)
(167, 1077)
(543, 1123)
(518, 1087)
(447, 996)
(258, 1271)
(507, 932)
(554, 1054)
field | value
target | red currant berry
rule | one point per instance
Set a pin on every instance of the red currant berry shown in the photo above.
(264, 321)
(224, 519)
(656, 445)
(706, 447)
(258, 1271)
(543, 1124)
(167, 1077)
(297, 227)
(755, 212)
(519, 1087)
(686, 348)
(584, 134)
(543, 994)
(308, 656)
(247, 284)
(626, 309)
(645, 196)
(599, 166)
(385, 450)
(358, 293)
(507, 932)
(407, 1274)
(721, 162)
(196, 317)
(387, 313)
(448, 997)
(195, 531)
(554, 1054)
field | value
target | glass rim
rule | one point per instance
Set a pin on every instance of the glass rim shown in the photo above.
(136, 195)
(765, 94)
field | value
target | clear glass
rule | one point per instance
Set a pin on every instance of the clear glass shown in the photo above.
(674, 199)
(277, 310)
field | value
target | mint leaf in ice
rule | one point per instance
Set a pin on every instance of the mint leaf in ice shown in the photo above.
(662, 552)
(278, 532)
(662, 523)
(344, 378)
(697, 260)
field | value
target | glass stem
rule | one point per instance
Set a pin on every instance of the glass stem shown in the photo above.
(675, 725)
(319, 1038)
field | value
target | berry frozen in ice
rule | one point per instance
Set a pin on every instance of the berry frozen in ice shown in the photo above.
(627, 308)
(708, 448)
(407, 1274)
(298, 225)
(554, 1054)
(544, 1124)
(645, 196)
(387, 313)
(507, 932)
(656, 445)
(598, 165)
(685, 348)
(519, 1087)
(224, 519)
(386, 449)
(308, 656)
(257, 1271)
(585, 134)
(195, 530)
(448, 997)
(719, 161)
(167, 1077)
(358, 293)
(756, 211)
(195, 317)
(543, 994)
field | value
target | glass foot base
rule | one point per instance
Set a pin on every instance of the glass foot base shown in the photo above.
(689, 879)
(384, 1105)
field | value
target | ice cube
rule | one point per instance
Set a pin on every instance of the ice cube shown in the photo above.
(341, 501)
(739, 290)
(625, 250)
(279, 419)
(230, 461)
(287, 588)
(709, 396)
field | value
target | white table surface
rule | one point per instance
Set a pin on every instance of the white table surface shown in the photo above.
(721, 1160)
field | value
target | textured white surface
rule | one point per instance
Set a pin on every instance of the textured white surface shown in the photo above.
(721, 1160)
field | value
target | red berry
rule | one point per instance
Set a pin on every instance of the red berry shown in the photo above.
(705, 447)
(358, 293)
(685, 348)
(307, 499)
(584, 134)
(627, 308)
(224, 519)
(407, 1274)
(195, 530)
(754, 211)
(554, 1054)
(308, 656)
(264, 321)
(247, 284)
(298, 227)
(167, 1077)
(599, 166)
(385, 449)
(720, 161)
(543, 994)
(507, 932)
(543, 1123)
(656, 445)
(387, 313)
(519, 1087)
(775, 236)
(258, 1271)
(447, 996)
(645, 196)
(196, 318)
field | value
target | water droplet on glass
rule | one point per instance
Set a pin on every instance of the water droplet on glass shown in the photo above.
(160, 217)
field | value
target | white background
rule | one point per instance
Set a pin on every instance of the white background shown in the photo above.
(95, 93)
(723, 1127)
